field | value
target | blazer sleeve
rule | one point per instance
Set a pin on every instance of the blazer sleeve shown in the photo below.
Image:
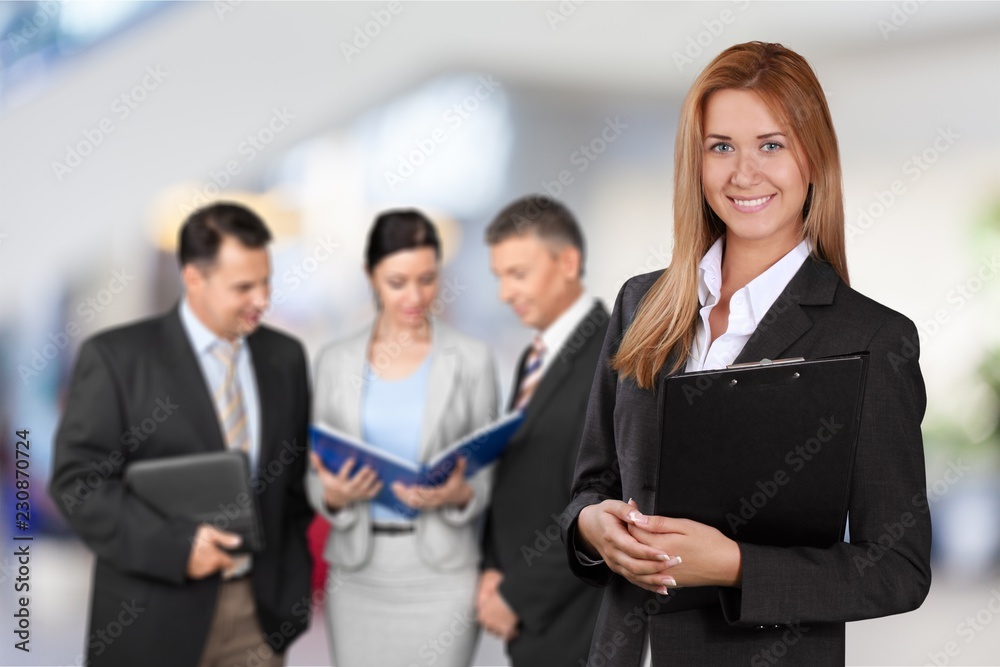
(483, 405)
(118, 527)
(345, 517)
(538, 587)
(598, 475)
(296, 563)
(885, 568)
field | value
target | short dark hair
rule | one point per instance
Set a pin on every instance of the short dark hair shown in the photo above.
(203, 232)
(400, 229)
(547, 218)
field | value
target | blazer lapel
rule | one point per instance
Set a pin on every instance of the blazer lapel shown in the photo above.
(557, 371)
(267, 388)
(440, 383)
(351, 382)
(188, 381)
(785, 322)
(516, 387)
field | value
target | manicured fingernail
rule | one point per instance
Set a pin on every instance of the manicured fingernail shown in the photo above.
(637, 518)
(663, 591)
(669, 581)
(663, 557)
(676, 560)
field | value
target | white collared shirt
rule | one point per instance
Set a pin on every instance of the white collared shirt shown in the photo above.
(557, 333)
(213, 370)
(747, 306)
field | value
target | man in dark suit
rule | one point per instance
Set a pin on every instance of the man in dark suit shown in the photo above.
(203, 377)
(527, 594)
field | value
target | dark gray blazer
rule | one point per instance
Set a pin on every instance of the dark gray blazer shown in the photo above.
(793, 602)
(531, 489)
(147, 374)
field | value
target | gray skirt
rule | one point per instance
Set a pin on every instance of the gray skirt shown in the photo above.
(396, 611)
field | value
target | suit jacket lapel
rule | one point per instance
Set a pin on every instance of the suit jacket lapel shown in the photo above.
(516, 387)
(352, 382)
(558, 369)
(440, 383)
(267, 386)
(785, 322)
(185, 376)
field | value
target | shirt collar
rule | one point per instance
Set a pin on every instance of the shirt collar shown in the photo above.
(559, 331)
(201, 337)
(763, 290)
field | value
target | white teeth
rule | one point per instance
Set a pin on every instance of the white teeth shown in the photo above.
(751, 202)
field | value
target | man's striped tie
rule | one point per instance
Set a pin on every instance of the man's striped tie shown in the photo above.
(233, 421)
(229, 399)
(532, 374)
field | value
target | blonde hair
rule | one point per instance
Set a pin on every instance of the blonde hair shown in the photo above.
(664, 323)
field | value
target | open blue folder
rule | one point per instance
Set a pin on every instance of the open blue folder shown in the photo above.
(479, 449)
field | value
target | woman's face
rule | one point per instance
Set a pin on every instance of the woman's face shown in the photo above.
(406, 282)
(750, 174)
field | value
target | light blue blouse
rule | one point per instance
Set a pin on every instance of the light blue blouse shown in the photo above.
(392, 418)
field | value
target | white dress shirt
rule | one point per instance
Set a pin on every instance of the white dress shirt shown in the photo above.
(557, 333)
(202, 341)
(747, 308)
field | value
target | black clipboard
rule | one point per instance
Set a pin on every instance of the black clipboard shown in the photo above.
(212, 488)
(763, 452)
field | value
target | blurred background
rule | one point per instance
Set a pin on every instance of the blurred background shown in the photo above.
(119, 118)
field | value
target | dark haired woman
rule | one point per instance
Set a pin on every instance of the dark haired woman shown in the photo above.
(758, 271)
(412, 386)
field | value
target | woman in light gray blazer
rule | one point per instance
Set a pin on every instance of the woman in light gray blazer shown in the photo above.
(401, 590)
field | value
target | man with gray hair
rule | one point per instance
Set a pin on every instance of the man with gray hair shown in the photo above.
(527, 595)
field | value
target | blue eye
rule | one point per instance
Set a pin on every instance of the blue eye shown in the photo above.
(772, 146)
(721, 147)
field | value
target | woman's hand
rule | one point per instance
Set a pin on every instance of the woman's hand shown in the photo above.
(340, 489)
(455, 491)
(706, 556)
(604, 531)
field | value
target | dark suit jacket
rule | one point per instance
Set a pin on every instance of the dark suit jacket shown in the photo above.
(146, 376)
(531, 489)
(793, 601)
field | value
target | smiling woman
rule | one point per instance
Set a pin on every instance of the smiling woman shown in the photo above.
(758, 271)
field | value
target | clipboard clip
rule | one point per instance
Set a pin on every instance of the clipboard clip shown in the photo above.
(766, 362)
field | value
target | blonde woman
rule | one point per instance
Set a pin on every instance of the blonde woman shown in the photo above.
(758, 271)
